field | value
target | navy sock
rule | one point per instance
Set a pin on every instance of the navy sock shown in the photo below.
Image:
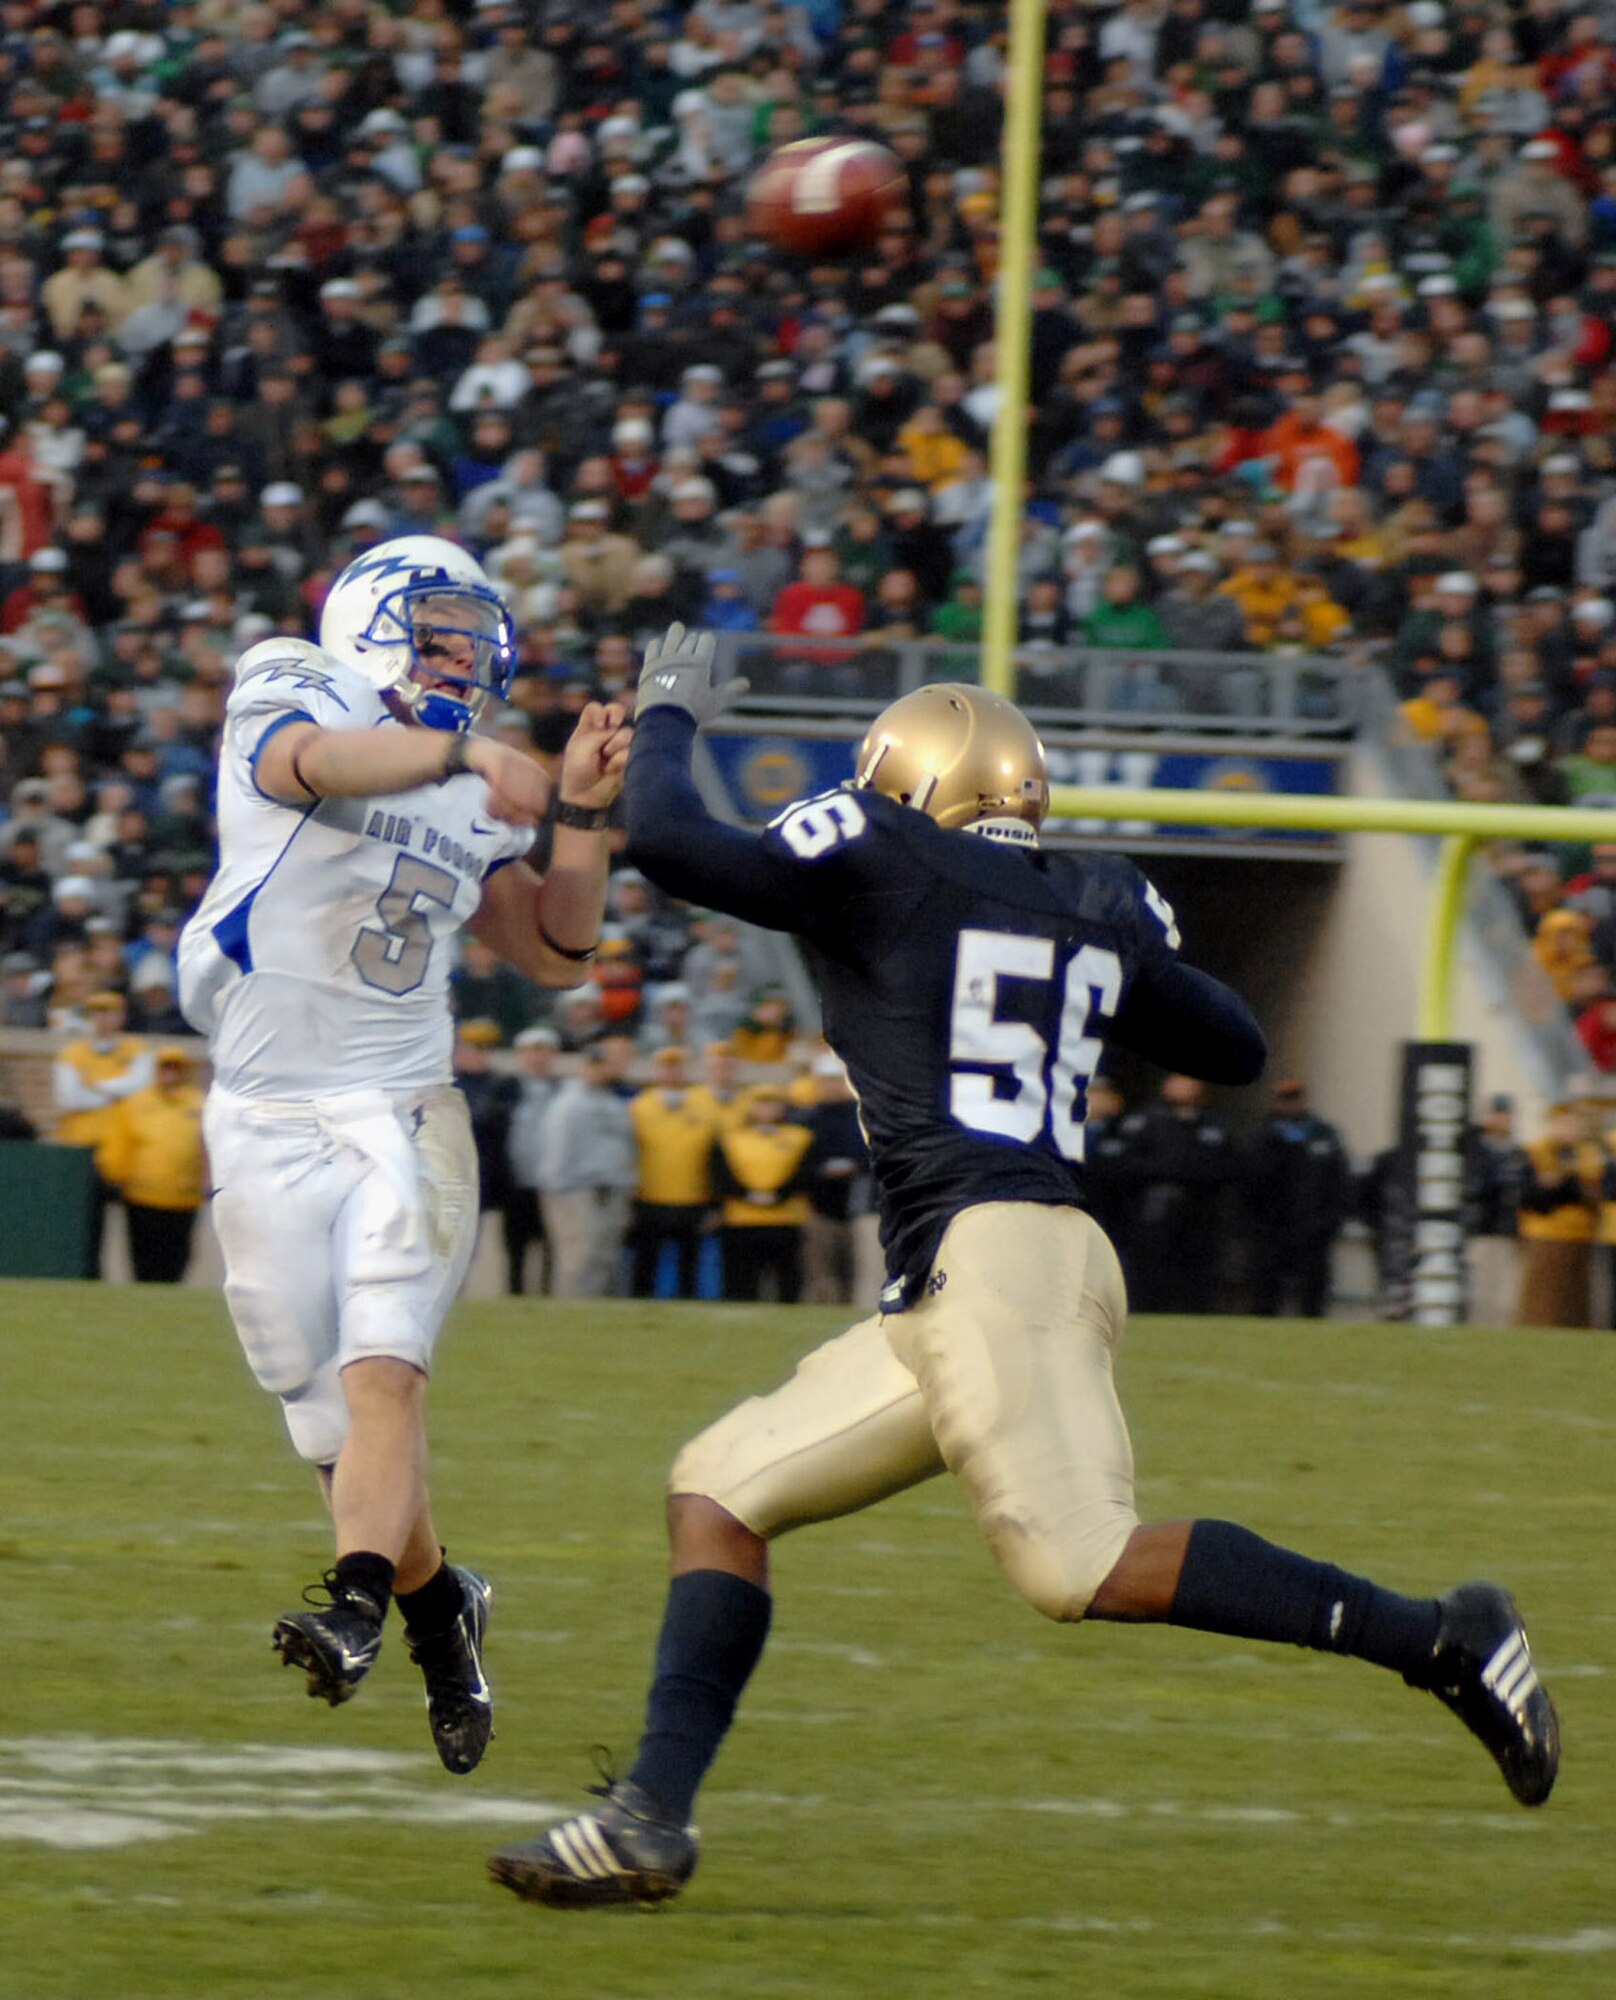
(713, 1631)
(1235, 1582)
(369, 1575)
(435, 1606)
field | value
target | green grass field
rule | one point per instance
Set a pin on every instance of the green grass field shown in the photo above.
(930, 1792)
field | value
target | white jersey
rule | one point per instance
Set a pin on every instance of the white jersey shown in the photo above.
(318, 960)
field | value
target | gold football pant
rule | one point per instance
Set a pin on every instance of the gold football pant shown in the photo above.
(1000, 1374)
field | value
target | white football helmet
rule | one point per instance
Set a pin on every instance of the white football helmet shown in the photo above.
(418, 617)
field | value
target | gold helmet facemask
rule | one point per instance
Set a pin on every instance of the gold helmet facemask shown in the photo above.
(963, 757)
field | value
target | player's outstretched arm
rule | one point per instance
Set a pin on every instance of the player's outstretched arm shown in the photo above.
(302, 763)
(1185, 1020)
(548, 925)
(672, 837)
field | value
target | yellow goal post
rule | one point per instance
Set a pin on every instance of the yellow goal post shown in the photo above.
(1459, 826)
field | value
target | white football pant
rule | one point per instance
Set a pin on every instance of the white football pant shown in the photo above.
(347, 1223)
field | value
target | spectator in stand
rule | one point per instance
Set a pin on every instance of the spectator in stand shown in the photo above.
(1298, 1191)
(485, 989)
(1183, 1164)
(675, 1133)
(1558, 1206)
(537, 1084)
(588, 1170)
(22, 991)
(761, 1170)
(491, 1100)
(153, 999)
(619, 985)
(1121, 619)
(151, 1151)
(1590, 774)
(598, 564)
(764, 1034)
(1561, 946)
(1595, 1017)
(841, 1247)
(1498, 1172)
(1194, 615)
(45, 589)
(1264, 591)
(818, 606)
(94, 1073)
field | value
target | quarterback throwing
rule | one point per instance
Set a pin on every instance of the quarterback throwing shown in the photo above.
(361, 824)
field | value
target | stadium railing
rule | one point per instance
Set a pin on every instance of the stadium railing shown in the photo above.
(1212, 693)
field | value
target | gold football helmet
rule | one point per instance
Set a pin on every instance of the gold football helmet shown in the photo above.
(957, 754)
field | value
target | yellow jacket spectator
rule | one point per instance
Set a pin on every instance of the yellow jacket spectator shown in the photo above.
(935, 454)
(765, 1035)
(97, 1072)
(1265, 591)
(1323, 620)
(1561, 947)
(1558, 1204)
(1436, 714)
(760, 1171)
(152, 1153)
(676, 1128)
(802, 1092)
(1558, 1211)
(675, 1125)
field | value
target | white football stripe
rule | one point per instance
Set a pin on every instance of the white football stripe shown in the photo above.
(815, 190)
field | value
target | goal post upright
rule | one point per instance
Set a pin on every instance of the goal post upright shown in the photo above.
(1012, 333)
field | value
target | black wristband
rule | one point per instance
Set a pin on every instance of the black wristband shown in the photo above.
(587, 819)
(455, 760)
(565, 950)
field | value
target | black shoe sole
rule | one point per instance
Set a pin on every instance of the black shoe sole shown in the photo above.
(533, 1884)
(298, 1650)
(456, 1760)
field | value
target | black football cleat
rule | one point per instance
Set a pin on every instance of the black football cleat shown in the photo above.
(459, 1701)
(626, 1851)
(336, 1643)
(1481, 1667)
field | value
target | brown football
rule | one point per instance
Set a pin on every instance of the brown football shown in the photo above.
(824, 197)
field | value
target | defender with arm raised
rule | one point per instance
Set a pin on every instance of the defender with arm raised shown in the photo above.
(970, 981)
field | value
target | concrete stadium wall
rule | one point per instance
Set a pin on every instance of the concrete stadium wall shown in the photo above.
(1351, 1002)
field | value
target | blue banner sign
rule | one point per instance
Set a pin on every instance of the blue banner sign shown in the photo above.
(763, 774)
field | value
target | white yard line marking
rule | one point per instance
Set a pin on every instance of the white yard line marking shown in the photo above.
(92, 1792)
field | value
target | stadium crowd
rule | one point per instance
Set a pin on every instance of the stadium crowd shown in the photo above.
(1322, 361)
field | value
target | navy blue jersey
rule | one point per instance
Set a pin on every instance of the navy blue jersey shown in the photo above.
(969, 985)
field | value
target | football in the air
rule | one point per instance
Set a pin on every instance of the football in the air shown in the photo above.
(824, 197)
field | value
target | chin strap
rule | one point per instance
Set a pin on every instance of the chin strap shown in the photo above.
(443, 711)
